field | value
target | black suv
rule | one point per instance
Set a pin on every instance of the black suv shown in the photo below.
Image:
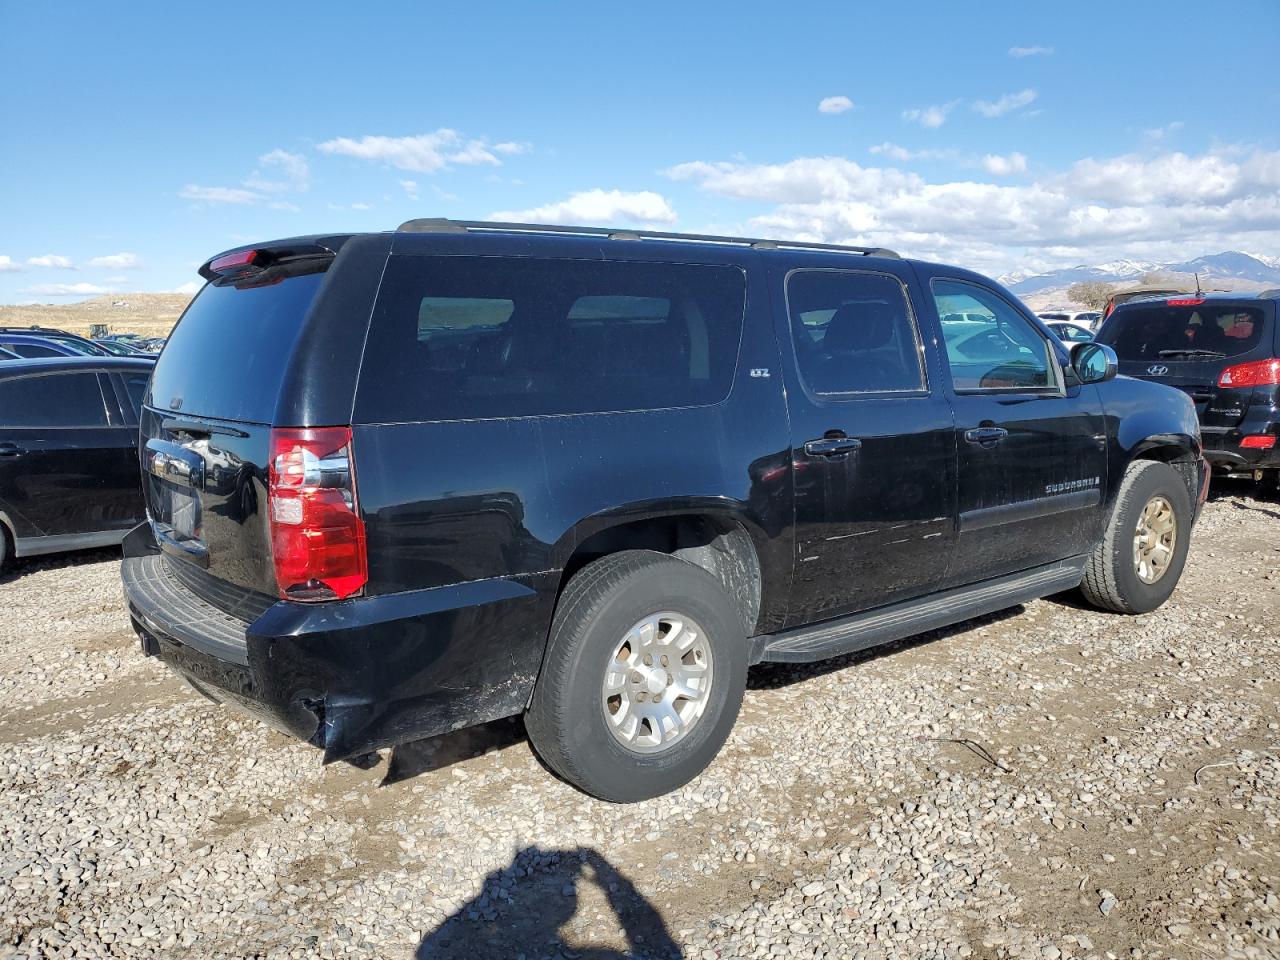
(405, 482)
(1223, 350)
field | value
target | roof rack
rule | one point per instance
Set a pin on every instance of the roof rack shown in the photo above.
(443, 225)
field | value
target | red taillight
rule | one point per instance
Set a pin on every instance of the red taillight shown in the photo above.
(1259, 441)
(1256, 373)
(317, 536)
(1185, 302)
(241, 259)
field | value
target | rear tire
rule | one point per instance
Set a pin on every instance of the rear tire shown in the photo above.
(1136, 565)
(652, 628)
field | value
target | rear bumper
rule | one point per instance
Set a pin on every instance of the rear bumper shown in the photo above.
(350, 676)
(1222, 446)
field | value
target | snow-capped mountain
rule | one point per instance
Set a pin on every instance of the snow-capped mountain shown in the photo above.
(1214, 269)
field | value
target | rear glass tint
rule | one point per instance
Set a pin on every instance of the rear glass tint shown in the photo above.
(1206, 331)
(52, 400)
(227, 356)
(457, 338)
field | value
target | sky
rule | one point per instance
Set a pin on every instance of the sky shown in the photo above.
(137, 140)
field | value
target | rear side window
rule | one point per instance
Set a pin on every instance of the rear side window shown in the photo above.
(457, 338)
(853, 332)
(33, 350)
(53, 400)
(227, 356)
(1204, 331)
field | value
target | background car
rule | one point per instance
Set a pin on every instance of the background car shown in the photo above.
(1068, 331)
(35, 346)
(122, 349)
(77, 343)
(1089, 319)
(68, 452)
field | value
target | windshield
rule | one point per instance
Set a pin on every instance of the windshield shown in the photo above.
(1204, 331)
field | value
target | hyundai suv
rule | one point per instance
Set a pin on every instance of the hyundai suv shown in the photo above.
(1224, 351)
(405, 482)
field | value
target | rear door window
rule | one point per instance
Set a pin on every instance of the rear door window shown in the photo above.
(456, 338)
(854, 332)
(53, 400)
(1207, 330)
(227, 356)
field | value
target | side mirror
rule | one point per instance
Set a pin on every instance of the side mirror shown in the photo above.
(1094, 362)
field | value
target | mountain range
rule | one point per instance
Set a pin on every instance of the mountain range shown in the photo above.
(1230, 269)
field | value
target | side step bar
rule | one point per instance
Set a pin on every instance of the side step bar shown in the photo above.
(886, 624)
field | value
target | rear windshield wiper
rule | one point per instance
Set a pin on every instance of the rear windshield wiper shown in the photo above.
(1190, 352)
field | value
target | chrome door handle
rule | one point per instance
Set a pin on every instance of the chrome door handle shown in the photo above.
(831, 446)
(986, 436)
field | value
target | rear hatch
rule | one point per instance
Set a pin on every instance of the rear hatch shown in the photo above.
(1188, 342)
(206, 426)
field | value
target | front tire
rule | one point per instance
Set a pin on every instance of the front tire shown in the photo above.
(1136, 566)
(643, 677)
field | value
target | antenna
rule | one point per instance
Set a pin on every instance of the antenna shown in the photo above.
(1198, 293)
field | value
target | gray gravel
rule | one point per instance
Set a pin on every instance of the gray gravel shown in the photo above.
(1051, 782)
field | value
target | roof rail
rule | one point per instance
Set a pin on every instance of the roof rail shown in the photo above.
(443, 225)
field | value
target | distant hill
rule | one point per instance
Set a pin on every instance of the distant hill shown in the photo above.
(1230, 269)
(149, 314)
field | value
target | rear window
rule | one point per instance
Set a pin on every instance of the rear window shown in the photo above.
(1209, 330)
(228, 354)
(457, 338)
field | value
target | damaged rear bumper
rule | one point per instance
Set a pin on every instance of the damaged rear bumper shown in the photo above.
(350, 676)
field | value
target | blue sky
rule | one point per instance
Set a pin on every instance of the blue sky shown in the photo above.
(141, 138)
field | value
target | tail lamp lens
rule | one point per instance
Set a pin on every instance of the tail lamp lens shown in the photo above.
(317, 536)
(1256, 373)
(1258, 441)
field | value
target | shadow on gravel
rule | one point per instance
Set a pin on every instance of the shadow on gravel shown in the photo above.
(770, 676)
(16, 569)
(521, 909)
(435, 753)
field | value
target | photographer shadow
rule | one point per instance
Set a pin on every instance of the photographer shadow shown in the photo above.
(522, 908)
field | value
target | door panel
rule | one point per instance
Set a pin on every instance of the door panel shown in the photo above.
(873, 452)
(1031, 450)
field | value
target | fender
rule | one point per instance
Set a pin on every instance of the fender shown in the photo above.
(1147, 420)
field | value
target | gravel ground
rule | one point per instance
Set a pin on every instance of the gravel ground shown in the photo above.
(1050, 782)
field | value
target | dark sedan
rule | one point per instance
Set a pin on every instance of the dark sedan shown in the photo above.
(68, 452)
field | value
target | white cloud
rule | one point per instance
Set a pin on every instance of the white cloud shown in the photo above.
(999, 166)
(598, 206)
(51, 260)
(65, 290)
(1020, 52)
(834, 104)
(190, 287)
(410, 188)
(287, 172)
(7, 265)
(218, 194)
(895, 152)
(512, 147)
(1159, 133)
(930, 117)
(117, 261)
(1006, 104)
(1145, 207)
(424, 153)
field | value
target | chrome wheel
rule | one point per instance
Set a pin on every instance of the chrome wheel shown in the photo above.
(657, 682)
(1155, 539)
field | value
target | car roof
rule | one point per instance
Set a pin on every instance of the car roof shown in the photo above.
(11, 368)
(1221, 297)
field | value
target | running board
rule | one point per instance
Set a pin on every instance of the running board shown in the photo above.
(886, 624)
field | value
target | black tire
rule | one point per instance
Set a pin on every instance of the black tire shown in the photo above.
(1111, 579)
(566, 717)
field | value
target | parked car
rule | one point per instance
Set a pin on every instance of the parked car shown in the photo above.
(1139, 293)
(117, 348)
(69, 474)
(34, 346)
(591, 476)
(1088, 319)
(1224, 351)
(77, 343)
(1067, 331)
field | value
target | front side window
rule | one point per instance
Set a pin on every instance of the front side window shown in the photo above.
(457, 338)
(990, 345)
(52, 400)
(853, 332)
